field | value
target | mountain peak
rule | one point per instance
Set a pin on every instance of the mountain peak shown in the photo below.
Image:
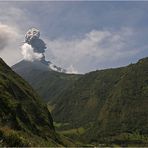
(42, 65)
(33, 50)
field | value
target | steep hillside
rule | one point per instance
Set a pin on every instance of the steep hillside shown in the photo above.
(108, 103)
(24, 119)
(125, 110)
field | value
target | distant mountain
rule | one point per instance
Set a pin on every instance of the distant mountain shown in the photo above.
(106, 106)
(40, 65)
(49, 83)
(24, 119)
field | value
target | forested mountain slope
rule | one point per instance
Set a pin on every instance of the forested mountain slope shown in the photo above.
(24, 119)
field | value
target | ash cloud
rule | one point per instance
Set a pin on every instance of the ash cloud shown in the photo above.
(34, 47)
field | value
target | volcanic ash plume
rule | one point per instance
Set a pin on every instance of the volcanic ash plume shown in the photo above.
(29, 54)
(34, 47)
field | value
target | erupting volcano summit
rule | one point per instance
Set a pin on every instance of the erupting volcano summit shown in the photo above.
(34, 49)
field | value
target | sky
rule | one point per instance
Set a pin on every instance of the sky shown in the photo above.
(80, 36)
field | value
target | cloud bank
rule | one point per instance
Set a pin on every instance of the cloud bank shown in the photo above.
(7, 35)
(97, 49)
(13, 25)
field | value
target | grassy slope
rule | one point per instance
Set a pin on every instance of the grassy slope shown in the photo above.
(24, 119)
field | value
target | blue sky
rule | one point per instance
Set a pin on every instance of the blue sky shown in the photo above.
(80, 36)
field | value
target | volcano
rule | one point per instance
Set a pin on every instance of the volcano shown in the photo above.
(33, 51)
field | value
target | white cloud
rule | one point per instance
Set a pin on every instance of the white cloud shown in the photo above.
(29, 54)
(8, 35)
(13, 24)
(93, 50)
(10, 39)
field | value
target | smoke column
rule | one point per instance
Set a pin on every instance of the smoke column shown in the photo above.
(34, 47)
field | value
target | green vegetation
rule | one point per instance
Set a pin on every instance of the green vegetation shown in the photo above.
(76, 131)
(111, 104)
(63, 128)
(24, 118)
(59, 125)
(49, 84)
(18, 138)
